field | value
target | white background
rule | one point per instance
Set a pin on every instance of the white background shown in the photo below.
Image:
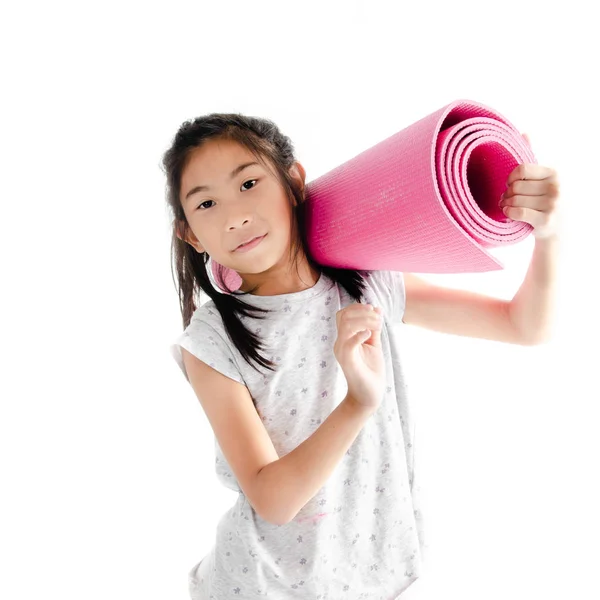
(107, 465)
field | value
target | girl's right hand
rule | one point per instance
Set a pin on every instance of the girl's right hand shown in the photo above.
(358, 350)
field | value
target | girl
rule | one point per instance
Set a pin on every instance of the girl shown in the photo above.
(315, 433)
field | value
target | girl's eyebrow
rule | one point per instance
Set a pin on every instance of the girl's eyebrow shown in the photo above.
(238, 169)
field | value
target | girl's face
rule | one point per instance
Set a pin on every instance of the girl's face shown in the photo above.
(230, 209)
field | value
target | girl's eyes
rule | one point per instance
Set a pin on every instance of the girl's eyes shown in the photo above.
(245, 182)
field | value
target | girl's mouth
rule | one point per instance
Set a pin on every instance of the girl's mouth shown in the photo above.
(255, 242)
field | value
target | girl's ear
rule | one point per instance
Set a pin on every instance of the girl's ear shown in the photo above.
(179, 230)
(190, 238)
(298, 173)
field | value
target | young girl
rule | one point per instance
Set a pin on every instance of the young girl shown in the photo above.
(315, 433)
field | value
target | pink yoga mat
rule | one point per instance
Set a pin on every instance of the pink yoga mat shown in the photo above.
(424, 200)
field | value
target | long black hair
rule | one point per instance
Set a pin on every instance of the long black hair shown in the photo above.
(270, 147)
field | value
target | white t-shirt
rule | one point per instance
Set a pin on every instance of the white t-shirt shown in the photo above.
(361, 536)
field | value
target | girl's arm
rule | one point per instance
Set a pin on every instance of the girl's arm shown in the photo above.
(276, 488)
(288, 483)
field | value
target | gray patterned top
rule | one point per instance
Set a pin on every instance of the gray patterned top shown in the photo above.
(361, 536)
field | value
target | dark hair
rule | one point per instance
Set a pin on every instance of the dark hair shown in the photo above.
(266, 142)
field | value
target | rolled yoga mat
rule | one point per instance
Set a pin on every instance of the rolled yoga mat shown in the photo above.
(424, 200)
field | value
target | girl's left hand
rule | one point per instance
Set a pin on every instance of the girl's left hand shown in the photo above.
(532, 196)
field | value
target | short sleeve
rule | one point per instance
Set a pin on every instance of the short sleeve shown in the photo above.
(389, 286)
(205, 343)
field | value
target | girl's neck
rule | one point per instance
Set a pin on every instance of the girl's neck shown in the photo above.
(278, 281)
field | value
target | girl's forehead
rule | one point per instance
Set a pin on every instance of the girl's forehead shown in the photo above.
(223, 153)
(223, 146)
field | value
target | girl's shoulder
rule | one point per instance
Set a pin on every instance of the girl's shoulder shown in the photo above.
(206, 339)
(205, 317)
(388, 287)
